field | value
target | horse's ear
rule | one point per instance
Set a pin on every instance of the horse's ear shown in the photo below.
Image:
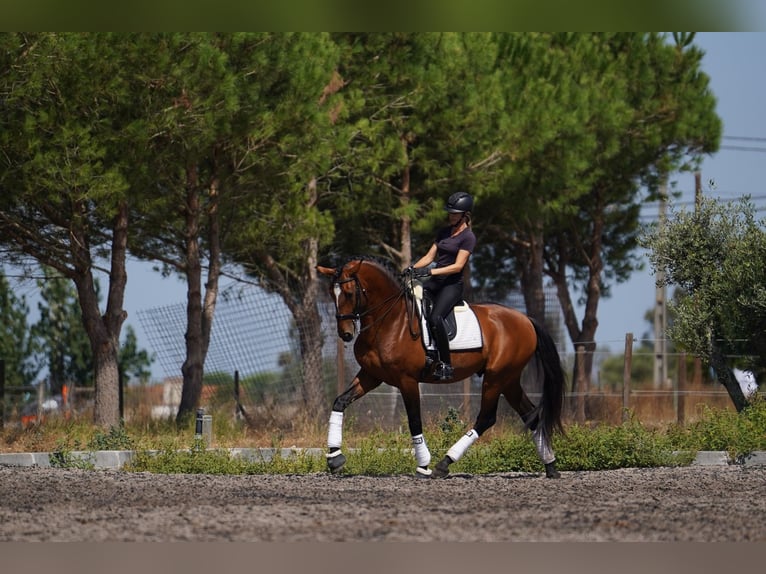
(326, 270)
(357, 266)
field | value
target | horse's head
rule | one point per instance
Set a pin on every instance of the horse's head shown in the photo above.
(349, 295)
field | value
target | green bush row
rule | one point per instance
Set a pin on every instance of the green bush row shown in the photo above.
(601, 447)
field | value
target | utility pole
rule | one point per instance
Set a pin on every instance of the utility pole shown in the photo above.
(697, 374)
(660, 301)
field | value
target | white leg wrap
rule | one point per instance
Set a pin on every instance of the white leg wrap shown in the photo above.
(422, 454)
(335, 432)
(544, 450)
(458, 449)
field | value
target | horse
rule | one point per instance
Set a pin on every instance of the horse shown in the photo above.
(389, 348)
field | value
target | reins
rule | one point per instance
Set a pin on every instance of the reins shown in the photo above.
(393, 299)
(358, 314)
(410, 306)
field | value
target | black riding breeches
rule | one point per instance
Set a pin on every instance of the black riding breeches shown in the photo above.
(444, 299)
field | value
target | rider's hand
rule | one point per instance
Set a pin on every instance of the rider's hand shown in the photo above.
(421, 272)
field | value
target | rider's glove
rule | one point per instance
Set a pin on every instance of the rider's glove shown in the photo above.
(421, 272)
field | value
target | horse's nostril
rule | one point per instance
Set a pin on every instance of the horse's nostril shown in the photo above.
(346, 336)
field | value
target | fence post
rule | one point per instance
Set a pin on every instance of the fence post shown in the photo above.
(40, 399)
(467, 399)
(681, 388)
(628, 358)
(580, 397)
(2, 393)
(236, 394)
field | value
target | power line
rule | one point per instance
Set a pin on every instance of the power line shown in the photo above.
(742, 148)
(744, 138)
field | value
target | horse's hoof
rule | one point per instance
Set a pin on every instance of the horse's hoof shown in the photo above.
(551, 472)
(442, 469)
(423, 472)
(335, 461)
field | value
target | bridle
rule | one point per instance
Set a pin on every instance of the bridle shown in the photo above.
(357, 313)
(360, 310)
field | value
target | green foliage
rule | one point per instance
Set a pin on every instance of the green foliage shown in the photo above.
(64, 347)
(134, 363)
(167, 449)
(116, 438)
(716, 255)
(196, 460)
(737, 433)
(511, 452)
(199, 460)
(381, 454)
(627, 445)
(16, 344)
(64, 457)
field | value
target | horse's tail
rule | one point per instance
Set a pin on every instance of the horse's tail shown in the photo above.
(554, 382)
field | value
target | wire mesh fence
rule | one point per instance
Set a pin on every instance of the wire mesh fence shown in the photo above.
(254, 344)
(254, 338)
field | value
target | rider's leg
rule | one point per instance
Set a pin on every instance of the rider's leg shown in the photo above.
(444, 301)
(444, 366)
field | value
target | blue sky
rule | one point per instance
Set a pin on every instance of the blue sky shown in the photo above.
(735, 63)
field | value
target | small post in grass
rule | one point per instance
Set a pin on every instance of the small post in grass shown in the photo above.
(628, 358)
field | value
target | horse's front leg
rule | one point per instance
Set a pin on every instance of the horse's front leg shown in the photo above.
(360, 386)
(410, 390)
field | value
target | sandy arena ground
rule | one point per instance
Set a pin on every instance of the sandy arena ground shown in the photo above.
(703, 504)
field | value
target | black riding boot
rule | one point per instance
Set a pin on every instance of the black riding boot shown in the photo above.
(443, 370)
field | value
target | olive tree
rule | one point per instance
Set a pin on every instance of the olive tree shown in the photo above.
(717, 255)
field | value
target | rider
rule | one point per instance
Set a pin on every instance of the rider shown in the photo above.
(444, 284)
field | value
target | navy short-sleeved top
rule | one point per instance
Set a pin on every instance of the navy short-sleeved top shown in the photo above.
(447, 248)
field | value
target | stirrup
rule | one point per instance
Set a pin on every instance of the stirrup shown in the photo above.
(443, 371)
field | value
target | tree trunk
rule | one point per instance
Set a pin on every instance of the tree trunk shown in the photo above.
(726, 378)
(104, 330)
(593, 287)
(214, 267)
(311, 332)
(532, 276)
(193, 365)
(310, 339)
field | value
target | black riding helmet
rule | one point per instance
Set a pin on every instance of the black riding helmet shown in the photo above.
(459, 202)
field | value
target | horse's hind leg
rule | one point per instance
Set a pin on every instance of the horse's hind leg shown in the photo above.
(360, 386)
(519, 401)
(490, 396)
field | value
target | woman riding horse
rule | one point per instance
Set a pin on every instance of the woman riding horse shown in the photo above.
(444, 284)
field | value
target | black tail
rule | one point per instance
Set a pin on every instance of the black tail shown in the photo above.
(554, 382)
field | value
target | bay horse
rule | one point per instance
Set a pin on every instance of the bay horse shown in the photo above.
(389, 348)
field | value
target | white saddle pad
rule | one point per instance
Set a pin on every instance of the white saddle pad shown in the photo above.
(468, 334)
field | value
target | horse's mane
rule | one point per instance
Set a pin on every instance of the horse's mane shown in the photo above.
(386, 265)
